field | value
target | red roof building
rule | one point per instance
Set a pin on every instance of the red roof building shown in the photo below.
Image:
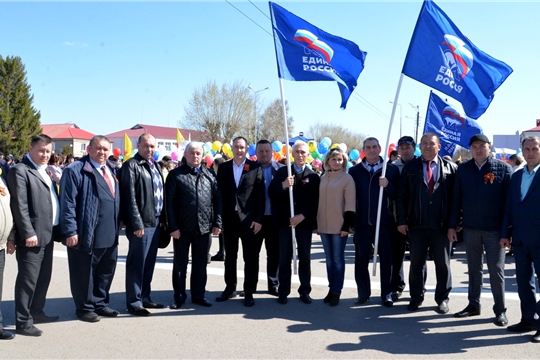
(71, 135)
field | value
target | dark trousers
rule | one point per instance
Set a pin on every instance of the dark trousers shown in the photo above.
(90, 277)
(364, 238)
(199, 251)
(437, 241)
(251, 246)
(140, 263)
(2, 264)
(303, 242)
(269, 232)
(33, 279)
(527, 260)
(399, 243)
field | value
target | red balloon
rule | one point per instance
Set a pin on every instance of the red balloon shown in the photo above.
(117, 152)
(209, 160)
(362, 155)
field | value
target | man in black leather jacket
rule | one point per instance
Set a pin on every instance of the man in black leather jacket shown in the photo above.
(143, 213)
(194, 211)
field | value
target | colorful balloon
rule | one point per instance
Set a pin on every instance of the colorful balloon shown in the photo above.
(312, 145)
(277, 145)
(252, 150)
(343, 147)
(354, 155)
(326, 140)
(117, 152)
(284, 149)
(322, 148)
(216, 146)
(209, 160)
(174, 155)
(156, 155)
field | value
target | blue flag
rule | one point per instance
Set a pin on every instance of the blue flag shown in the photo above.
(452, 127)
(306, 53)
(441, 57)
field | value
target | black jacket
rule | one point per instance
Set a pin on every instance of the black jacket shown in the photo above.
(137, 195)
(413, 189)
(194, 205)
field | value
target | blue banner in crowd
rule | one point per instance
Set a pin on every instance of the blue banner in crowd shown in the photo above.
(441, 57)
(307, 53)
(452, 127)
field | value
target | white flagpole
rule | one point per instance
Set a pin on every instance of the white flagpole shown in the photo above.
(291, 200)
(383, 174)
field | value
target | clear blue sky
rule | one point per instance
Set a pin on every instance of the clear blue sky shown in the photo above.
(107, 66)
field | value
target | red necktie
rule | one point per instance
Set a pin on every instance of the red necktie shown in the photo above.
(430, 180)
(108, 180)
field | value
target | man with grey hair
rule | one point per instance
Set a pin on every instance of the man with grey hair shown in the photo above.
(143, 212)
(305, 183)
(90, 224)
(368, 180)
(194, 213)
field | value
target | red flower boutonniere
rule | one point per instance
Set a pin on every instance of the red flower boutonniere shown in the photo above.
(305, 181)
(489, 177)
(246, 167)
(3, 191)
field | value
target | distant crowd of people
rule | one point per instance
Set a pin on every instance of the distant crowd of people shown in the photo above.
(424, 202)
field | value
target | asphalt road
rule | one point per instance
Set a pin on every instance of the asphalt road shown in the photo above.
(270, 330)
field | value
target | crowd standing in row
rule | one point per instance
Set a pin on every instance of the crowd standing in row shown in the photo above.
(426, 202)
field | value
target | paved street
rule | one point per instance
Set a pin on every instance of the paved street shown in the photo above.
(269, 330)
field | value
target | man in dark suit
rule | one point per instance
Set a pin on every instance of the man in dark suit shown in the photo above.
(479, 198)
(90, 221)
(424, 198)
(194, 214)
(368, 181)
(242, 188)
(35, 208)
(269, 231)
(522, 224)
(144, 214)
(305, 188)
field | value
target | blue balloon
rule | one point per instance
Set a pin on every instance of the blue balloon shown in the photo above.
(354, 154)
(349, 165)
(156, 155)
(277, 145)
(327, 141)
(417, 151)
(251, 150)
(322, 148)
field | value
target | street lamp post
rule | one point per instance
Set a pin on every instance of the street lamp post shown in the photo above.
(255, 92)
(417, 108)
(400, 119)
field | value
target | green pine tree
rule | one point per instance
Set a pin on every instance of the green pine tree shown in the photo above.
(19, 120)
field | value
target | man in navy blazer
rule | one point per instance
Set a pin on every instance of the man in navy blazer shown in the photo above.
(242, 188)
(521, 228)
(90, 222)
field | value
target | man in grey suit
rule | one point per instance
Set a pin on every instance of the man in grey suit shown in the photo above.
(34, 204)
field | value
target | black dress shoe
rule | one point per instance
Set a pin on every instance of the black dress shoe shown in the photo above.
(443, 308)
(396, 295)
(334, 299)
(90, 317)
(139, 311)
(536, 337)
(273, 291)
(388, 303)
(29, 331)
(43, 319)
(248, 300)
(202, 302)
(468, 311)
(152, 305)
(218, 257)
(500, 319)
(6, 335)
(327, 298)
(361, 301)
(414, 305)
(226, 295)
(177, 304)
(522, 326)
(306, 299)
(282, 299)
(107, 312)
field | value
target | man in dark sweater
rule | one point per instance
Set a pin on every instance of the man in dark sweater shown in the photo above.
(480, 191)
(423, 205)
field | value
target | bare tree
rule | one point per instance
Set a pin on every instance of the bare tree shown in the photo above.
(222, 112)
(338, 134)
(270, 124)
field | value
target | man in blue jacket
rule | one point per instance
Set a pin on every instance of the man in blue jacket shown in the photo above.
(522, 218)
(479, 197)
(89, 221)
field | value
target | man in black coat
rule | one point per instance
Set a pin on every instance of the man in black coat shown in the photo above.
(479, 198)
(35, 208)
(424, 198)
(194, 214)
(305, 188)
(242, 188)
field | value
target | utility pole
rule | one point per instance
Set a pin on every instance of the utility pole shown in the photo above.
(417, 108)
(255, 92)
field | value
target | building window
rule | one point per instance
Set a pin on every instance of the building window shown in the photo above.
(168, 146)
(83, 147)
